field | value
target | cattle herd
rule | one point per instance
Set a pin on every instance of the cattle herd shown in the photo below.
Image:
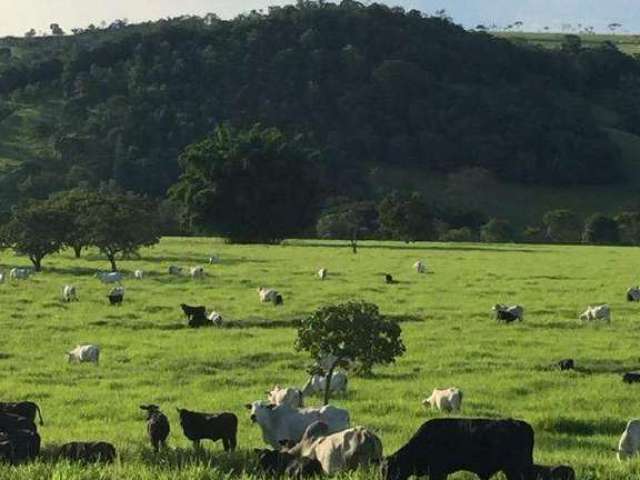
(314, 441)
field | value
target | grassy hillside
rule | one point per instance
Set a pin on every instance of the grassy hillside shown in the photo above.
(629, 44)
(149, 356)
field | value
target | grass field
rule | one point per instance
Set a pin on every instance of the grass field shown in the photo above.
(148, 355)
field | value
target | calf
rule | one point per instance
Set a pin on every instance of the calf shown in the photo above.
(446, 400)
(566, 364)
(69, 293)
(116, 296)
(196, 316)
(212, 426)
(88, 452)
(508, 313)
(446, 445)
(158, 426)
(631, 377)
(24, 409)
(557, 472)
(19, 446)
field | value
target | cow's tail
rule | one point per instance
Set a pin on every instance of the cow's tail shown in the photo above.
(40, 415)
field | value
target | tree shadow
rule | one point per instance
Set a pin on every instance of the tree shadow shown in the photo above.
(580, 427)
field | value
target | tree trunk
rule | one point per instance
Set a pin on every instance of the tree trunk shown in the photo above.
(112, 259)
(327, 387)
(37, 263)
(77, 250)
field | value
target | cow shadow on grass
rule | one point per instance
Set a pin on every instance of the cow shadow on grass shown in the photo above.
(580, 427)
(233, 464)
(424, 248)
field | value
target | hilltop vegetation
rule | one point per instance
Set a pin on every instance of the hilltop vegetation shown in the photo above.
(368, 86)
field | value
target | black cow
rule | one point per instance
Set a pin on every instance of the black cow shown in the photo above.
(158, 426)
(631, 377)
(115, 298)
(19, 446)
(566, 364)
(556, 472)
(481, 446)
(24, 409)
(275, 464)
(388, 278)
(88, 452)
(212, 426)
(278, 300)
(10, 422)
(196, 316)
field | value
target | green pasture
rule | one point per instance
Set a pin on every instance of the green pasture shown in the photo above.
(148, 355)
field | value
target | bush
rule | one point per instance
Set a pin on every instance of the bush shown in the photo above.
(600, 229)
(464, 234)
(562, 226)
(496, 231)
(629, 227)
(533, 235)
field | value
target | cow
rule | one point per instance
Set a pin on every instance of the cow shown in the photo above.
(196, 272)
(388, 279)
(446, 445)
(275, 463)
(69, 293)
(174, 270)
(18, 446)
(317, 384)
(445, 400)
(24, 409)
(88, 452)
(508, 313)
(341, 451)
(19, 273)
(158, 426)
(285, 396)
(196, 316)
(629, 441)
(213, 259)
(109, 277)
(554, 472)
(212, 426)
(633, 294)
(322, 273)
(631, 377)
(10, 422)
(267, 294)
(138, 274)
(116, 296)
(1, 277)
(420, 267)
(215, 318)
(282, 422)
(84, 354)
(599, 312)
(566, 364)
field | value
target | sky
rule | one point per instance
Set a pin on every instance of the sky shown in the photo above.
(18, 16)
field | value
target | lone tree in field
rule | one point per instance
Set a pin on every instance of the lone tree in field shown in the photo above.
(76, 204)
(36, 229)
(350, 220)
(354, 332)
(405, 217)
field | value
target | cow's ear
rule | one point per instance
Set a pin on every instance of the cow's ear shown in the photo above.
(248, 406)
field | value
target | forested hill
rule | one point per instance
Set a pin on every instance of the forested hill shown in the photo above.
(367, 85)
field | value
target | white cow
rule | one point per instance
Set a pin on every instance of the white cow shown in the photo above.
(138, 274)
(341, 451)
(420, 267)
(285, 396)
(19, 273)
(629, 441)
(317, 384)
(174, 270)
(633, 294)
(109, 277)
(599, 312)
(267, 294)
(196, 272)
(69, 293)
(215, 318)
(445, 400)
(283, 423)
(322, 273)
(1, 277)
(84, 353)
(214, 259)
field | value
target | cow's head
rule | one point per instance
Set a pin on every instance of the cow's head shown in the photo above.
(393, 468)
(260, 411)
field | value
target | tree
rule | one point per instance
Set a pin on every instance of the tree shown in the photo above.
(497, 230)
(629, 227)
(352, 331)
(571, 44)
(36, 229)
(348, 220)
(120, 224)
(76, 204)
(405, 217)
(600, 229)
(31, 33)
(252, 185)
(562, 226)
(56, 30)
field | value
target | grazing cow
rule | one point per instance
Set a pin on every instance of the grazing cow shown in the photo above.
(18, 446)
(276, 463)
(337, 452)
(109, 277)
(629, 441)
(566, 364)
(88, 452)
(278, 300)
(215, 318)
(138, 274)
(1, 277)
(446, 445)
(322, 273)
(69, 293)
(196, 316)
(508, 313)
(84, 354)
(445, 400)
(631, 377)
(285, 396)
(213, 259)
(267, 294)
(599, 312)
(212, 426)
(318, 383)
(388, 278)
(282, 422)
(24, 409)
(196, 272)
(116, 296)
(158, 426)
(10, 422)
(633, 294)
(174, 270)
(420, 267)
(19, 273)
(552, 472)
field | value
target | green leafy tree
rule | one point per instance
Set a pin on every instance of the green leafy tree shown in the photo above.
(497, 230)
(405, 217)
(36, 229)
(629, 227)
(353, 331)
(350, 220)
(76, 204)
(252, 185)
(600, 229)
(562, 226)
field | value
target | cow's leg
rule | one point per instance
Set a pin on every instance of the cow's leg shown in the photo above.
(232, 443)
(196, 444)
